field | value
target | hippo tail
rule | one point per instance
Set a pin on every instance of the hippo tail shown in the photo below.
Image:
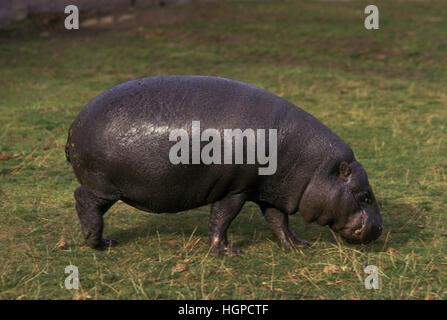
(67, 156)
(67, 146)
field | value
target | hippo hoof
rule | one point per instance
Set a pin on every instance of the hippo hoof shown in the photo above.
(106, 244)
(225, 250)
(294, 243)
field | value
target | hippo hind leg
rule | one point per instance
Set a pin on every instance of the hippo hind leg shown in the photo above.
(91, 206)
(222, 214)
(279, 225)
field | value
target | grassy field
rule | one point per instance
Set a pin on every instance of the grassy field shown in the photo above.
(383, 91)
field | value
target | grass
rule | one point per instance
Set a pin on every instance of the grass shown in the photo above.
(383, 91)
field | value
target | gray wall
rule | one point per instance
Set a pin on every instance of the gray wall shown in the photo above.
(16, 10)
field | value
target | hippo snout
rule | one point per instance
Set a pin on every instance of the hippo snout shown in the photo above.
(365, 226)
(371, 230)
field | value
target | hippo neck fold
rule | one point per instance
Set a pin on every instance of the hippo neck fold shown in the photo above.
(308, 152)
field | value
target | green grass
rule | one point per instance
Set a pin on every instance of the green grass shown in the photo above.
(383, 91)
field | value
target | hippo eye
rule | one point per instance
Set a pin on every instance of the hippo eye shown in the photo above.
(365, 198)
(344, 170)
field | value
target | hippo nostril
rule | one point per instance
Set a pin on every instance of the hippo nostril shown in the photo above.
(378, 229)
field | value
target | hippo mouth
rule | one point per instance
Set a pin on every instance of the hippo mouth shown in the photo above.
(352, 233)
(362, 228)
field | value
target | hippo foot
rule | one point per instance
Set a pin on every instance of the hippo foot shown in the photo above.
(226, 250)
(294, 243)
(105, 243)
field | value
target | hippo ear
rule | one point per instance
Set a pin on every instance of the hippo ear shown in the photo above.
(345, 171)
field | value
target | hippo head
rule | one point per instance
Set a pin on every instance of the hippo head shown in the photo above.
(345, 201)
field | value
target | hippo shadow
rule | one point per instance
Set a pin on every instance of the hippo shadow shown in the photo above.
(401, 224)
(189, 222)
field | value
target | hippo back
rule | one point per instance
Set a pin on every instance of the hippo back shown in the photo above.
(119, 143)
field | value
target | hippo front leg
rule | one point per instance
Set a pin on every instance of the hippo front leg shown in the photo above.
(222, 213)
(279, 225)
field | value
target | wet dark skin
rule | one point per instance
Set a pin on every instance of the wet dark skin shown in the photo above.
(119, 149)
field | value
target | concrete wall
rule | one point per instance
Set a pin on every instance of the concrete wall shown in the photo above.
(16, 10)
(12, 10)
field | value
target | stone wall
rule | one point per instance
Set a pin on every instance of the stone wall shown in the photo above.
(16, 10)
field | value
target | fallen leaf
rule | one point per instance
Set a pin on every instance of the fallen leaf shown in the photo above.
(391, 251)
(179, 267)
(332, 268)
(30, 157)
(4, 156)
(420, 226)
(303, 271)
(332, 283)
(61, 244)
(430, 296)
(21, 297)
(16, 155)
(81, 295)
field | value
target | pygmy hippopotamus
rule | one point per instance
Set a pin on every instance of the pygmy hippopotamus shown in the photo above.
(124, 145)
